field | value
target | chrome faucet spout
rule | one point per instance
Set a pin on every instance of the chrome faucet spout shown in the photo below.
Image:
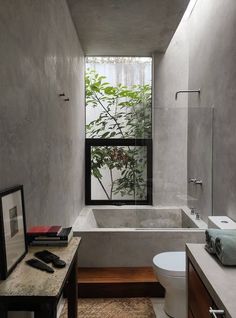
(198, 182)
(187, 91)
(192, 180)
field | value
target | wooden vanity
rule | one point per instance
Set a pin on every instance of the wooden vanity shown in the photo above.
(211, 286)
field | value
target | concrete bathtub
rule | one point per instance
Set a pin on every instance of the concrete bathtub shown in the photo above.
(130, 236)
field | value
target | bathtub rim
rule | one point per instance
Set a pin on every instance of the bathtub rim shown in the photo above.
(201, 226)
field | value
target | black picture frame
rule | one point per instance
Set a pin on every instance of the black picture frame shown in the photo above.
(13, 243)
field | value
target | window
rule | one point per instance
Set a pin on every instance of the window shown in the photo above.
(118, 131)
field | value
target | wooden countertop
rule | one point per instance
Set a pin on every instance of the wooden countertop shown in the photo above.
(28, 281)
(218, 279)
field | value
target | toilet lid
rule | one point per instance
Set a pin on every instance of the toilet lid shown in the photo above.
(171, 263)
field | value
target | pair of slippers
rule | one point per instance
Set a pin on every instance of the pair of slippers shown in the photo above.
(48, 257)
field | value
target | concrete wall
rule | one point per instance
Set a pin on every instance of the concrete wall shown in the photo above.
(212, 115)
(212, 68)
(200, 115)
(170, 122)
(206, 60)
(41, 136)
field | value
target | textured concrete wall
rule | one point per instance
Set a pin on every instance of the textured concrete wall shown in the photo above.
(170, 123)
(200, 114)
(206, 60)
(41, 136)
(212, 68)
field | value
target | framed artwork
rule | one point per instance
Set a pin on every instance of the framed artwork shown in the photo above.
(13, 244)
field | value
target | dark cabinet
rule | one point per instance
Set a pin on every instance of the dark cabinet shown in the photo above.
(199, 299)
(190, 314)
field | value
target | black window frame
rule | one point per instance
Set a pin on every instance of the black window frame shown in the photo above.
(90, 142)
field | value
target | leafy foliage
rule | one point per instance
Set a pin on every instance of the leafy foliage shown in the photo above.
(129, 161)
(124, 113)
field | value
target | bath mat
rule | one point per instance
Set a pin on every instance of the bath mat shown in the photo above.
(113, 308)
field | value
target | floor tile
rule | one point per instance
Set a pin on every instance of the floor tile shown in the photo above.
(158, 306)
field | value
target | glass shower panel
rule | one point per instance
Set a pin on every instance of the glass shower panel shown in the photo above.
(170, 156)
(200, 150)
(182, 158)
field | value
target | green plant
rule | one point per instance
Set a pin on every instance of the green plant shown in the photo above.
(124, 113)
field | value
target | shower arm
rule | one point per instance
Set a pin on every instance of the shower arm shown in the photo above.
(187, 91)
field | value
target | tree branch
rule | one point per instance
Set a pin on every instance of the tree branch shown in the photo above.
(115, 120)
(103, 189)
(112, 184)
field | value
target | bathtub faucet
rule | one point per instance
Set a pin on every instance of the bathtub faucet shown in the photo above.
(192, 210)
(197, 216)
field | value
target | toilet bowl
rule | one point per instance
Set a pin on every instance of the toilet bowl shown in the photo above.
(170, 268)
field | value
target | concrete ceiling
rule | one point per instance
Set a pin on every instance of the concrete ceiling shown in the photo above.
(126, 27)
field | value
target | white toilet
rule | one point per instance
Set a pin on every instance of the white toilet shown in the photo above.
(170, 268)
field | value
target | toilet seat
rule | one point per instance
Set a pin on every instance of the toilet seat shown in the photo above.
(171, 264)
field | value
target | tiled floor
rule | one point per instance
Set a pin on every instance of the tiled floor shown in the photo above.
(158, 306)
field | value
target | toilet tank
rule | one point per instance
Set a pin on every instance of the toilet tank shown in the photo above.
(221, 222)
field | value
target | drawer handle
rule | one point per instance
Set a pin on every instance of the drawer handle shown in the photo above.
(215, 312)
